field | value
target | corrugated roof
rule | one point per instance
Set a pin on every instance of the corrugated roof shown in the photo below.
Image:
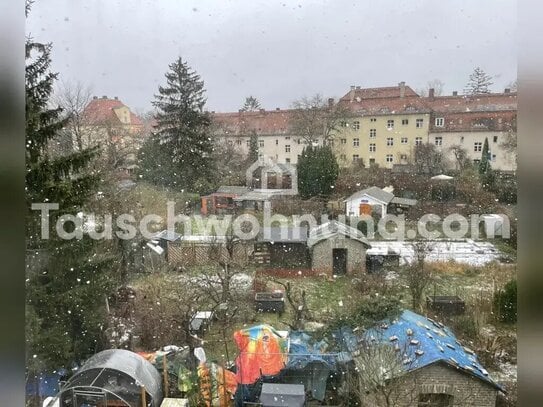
(334, 228)
(374, 192)
(287, 234)
(403, 201)
(427, 342)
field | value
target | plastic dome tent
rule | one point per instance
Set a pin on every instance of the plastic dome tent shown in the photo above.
(111, 378)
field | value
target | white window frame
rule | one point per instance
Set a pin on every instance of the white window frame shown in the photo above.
(390, 123)
(438, 141)
(373, 147)
(373, 133)
(440, 122)
(389, 158)
(419, 123)
(404, 140)
(390, 141)
(356, 142)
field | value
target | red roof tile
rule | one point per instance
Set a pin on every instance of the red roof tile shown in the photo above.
(378, 93)
(262, 122)
(480, 103)
(101, 111)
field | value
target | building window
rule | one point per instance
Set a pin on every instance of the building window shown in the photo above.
(440, 121)
(248, 142)
(389, 158)
(462, 139)
(287, 148)
(495, 139)
(260, 143)
(418, 141)
(493, 157)
(405, 122)
(419, 123)
(390, 141)
(435, 400)
(390, 124)
(238, 142)
(476, 161)
(356, 142)
(477, 146)
(439, 141)
(276, 142)
(230, 142)
(343, 123)
(356, 125)
(372, 161)
(356, 157)
(343, 141)
(403, 157)
(373, 133)
(331, 143)
(373, 120)
(343, 157)
(372, 147)
(287, 160)
(403, 140)
(287, 138)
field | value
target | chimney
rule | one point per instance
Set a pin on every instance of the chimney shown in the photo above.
(455, 93)
(94, 97)
(402, 89)
(240, 110)
(104, 97)
(431, 93)
(213, 112)
(261, 110)
(277, 108)
(115, 97)
(358, 87)
(507, 90)
(351, 93)
(330, 102)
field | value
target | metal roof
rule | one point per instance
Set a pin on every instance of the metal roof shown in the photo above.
(287, 234)
(288, 395)
(122, 361)
(428, 342)
(403, 201)
(168, 235)
(374, 192)
(334, 228)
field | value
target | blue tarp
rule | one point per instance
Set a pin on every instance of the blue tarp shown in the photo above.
(424, 341)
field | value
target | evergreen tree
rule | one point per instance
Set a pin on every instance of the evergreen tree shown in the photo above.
(317, 172)
(182, 127)
(66, 290)
(253, 148)
(479, 83)
(251, 104)
(485, 170)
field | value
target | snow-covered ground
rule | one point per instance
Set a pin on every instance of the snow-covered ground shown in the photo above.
(468, 251)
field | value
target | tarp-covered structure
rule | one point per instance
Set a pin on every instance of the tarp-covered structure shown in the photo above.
(113, 377)
(262, 351)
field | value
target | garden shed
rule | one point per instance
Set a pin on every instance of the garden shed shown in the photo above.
(337, 249)
(113, 378)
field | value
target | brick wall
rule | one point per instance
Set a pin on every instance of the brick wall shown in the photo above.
(467, 390)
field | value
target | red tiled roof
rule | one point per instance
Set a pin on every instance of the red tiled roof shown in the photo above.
(262, 122)
(481, 103)
(475, 121)
(101, 111)
(384, 106)
(378, 93)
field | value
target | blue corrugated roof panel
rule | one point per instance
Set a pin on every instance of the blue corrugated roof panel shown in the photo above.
(425, 342)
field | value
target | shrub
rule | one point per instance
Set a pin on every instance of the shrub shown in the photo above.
(505, 302)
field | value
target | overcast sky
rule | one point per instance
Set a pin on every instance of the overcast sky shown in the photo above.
(277, 51)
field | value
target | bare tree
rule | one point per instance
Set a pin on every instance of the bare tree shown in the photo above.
(418, 274)
(435, 84)
(427, 159)
(297, 299)
(315, 119)
(73, 97)
(460, 155)
(380, 377)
